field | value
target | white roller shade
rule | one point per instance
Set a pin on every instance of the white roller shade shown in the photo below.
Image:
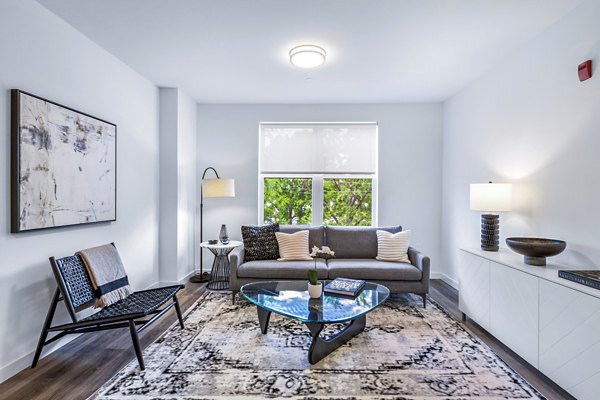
(318, 148)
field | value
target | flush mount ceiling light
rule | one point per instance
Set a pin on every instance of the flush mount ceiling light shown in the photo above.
(307, 56)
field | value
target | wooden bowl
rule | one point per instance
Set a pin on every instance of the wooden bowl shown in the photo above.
(536, 250)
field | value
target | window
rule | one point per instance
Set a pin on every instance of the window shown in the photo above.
(348, 201)
(288, 200)
(312, 174)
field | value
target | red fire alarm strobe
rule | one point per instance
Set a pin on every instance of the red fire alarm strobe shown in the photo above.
(585, 70)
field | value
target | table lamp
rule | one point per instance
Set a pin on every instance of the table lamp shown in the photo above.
(216, 187)
(490, 198)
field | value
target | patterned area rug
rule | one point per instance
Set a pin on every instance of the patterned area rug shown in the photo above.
(405, 352)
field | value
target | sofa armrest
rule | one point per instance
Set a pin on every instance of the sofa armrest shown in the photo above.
(236, 258)
(420, 261)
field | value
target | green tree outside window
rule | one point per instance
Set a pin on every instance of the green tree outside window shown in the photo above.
(347, 201)
(288, 201)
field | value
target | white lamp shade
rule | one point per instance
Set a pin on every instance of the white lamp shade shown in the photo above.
(491, 197)
(218, 188)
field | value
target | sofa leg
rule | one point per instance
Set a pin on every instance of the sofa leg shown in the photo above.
(424, 295)
(233, 293)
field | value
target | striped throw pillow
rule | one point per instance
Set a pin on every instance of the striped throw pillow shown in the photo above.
(393, 246)
(293, 246)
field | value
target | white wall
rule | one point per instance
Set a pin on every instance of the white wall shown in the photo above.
(531, 122)
(45, 56)
(168, 117)
(409, 162)
(188, 184)
(177, 185)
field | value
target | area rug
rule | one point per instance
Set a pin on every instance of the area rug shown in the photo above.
(405, 352)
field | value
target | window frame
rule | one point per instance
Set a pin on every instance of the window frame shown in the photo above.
(317, 178)
(317, 194)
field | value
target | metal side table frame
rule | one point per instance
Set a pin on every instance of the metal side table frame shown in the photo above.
(219, 274)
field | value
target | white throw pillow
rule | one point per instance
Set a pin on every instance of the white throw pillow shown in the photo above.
(293, 246)
(393, 246)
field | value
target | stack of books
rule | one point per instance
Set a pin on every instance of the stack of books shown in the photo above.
(344, 287)
(589, 278)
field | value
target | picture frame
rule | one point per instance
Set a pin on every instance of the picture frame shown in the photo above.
(63, 165)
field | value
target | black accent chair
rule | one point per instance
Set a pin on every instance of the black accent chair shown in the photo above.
(75, 289)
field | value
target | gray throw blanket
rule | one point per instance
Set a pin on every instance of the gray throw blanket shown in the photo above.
(107, 274)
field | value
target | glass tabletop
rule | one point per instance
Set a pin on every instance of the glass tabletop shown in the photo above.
(230, 245)
(291, 299)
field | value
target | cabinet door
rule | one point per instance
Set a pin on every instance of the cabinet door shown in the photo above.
(514, 310)
(570, 339)
(474, 289)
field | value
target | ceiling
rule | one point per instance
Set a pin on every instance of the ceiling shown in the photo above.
(226, 51)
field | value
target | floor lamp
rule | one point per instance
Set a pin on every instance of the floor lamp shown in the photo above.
(211, 188)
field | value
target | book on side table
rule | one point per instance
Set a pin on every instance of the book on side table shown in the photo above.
(344, 287)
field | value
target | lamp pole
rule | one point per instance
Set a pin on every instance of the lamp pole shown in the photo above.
(199, 278)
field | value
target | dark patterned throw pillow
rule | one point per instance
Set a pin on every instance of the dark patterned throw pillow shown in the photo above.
(260, 242)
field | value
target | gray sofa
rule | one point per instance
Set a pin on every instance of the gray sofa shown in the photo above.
(355, 249)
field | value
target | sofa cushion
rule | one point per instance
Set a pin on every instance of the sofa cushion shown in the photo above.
(316, 234)
(373, 270)
(355, 241)
(273, 269)
(260, 242)
(293, 246)
(393, 246)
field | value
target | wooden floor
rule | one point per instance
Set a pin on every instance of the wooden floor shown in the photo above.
(78, 369)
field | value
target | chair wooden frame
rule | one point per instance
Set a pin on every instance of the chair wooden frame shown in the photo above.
(74, 288)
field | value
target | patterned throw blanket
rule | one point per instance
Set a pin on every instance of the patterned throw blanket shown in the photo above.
(107, 274)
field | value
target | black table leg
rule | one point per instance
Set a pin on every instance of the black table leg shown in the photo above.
(263, 318)
(319, 348)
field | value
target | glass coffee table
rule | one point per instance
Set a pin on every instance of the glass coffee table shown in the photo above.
(291, 299)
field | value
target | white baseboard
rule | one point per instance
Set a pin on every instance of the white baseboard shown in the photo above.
(445, 278)
(24, 362)
(179, 282)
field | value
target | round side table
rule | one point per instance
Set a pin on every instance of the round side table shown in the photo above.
(219, 274)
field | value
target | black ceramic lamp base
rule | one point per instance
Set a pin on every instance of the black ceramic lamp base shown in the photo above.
(490, 230)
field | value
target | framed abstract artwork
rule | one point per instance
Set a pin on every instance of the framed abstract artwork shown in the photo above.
(63, 165)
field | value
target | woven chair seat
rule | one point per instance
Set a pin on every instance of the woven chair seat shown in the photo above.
(138, 303)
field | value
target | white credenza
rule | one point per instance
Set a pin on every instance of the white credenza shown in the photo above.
(554, 324)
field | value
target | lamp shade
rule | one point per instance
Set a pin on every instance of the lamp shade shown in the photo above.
(218, 187)
(491, 197)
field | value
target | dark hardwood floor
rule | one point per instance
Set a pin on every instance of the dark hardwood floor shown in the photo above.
(76, 370)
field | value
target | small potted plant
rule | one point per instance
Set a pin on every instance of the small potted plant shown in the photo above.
(315, 288)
